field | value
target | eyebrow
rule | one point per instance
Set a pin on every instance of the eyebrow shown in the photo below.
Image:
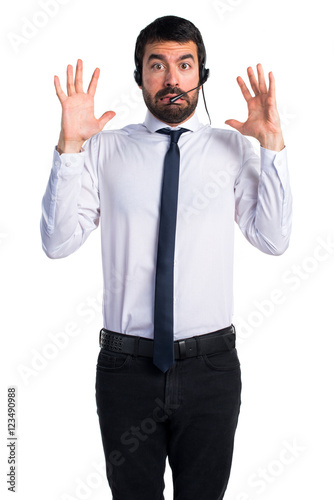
(163, 58)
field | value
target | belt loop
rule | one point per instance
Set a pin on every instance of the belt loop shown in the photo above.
(198, 343)
(100, 337)
(182, 349)
(230, 339)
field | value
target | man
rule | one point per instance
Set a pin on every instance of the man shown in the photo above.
(168, 375)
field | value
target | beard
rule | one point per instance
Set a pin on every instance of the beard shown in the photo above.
(171, 113)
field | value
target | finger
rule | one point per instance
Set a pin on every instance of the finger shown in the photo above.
(244, 89)
(235, 124)
(272, 88)
(262, 81)
(70, 85)
(59, 91)
(253, 81)
(107, 116)
(93, 83)
(78, 77)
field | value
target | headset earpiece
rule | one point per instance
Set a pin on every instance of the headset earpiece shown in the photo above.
(137, 76)
(204, 74)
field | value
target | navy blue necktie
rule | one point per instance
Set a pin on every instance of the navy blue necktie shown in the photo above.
(163, 344)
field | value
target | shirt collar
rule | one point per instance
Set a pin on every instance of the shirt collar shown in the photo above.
(153, 124)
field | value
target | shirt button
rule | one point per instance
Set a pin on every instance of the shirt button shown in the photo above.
(57, 163)
(68, 164)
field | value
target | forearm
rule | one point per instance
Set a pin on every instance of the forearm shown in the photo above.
(69, 209)
(265, 209)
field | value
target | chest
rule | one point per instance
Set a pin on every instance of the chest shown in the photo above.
(131, 174)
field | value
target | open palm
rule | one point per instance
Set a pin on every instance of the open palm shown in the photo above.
(78, 120)
(263, 118)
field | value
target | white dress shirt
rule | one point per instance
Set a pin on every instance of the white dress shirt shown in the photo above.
(116, 180)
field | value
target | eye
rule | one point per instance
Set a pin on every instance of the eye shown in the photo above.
(185, 65)
(157, 66)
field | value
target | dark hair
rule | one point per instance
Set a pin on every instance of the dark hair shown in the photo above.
(168, 28)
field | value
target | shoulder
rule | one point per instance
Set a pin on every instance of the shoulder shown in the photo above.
(226, 139)
(227, 136)
(112, 136)
(127, 131)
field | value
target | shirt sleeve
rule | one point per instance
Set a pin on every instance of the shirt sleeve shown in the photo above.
(71, 205)
(263, 200)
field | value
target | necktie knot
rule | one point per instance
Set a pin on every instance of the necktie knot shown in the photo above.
(174, 134)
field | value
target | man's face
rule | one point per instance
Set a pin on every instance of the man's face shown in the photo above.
(170, 68)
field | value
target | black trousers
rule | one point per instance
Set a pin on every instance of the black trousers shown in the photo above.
(188, 414)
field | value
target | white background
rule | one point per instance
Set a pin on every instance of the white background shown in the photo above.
(285, 346)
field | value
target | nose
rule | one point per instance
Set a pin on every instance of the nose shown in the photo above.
(171, 78)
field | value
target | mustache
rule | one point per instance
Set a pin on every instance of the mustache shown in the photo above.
(171, 91)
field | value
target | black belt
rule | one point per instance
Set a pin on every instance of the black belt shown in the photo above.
(209, 343)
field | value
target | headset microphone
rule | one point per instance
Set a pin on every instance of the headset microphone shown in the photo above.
(173, 99)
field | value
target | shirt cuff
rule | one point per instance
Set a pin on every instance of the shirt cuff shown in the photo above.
(70, 161)
(278, 160)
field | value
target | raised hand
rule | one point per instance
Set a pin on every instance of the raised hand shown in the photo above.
(78, 121)
(263, 121)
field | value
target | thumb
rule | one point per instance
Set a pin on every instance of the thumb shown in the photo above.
(235, 124)
(108, 115)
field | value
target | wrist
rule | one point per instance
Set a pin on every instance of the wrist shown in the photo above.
(66, 146)
(274, 142)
